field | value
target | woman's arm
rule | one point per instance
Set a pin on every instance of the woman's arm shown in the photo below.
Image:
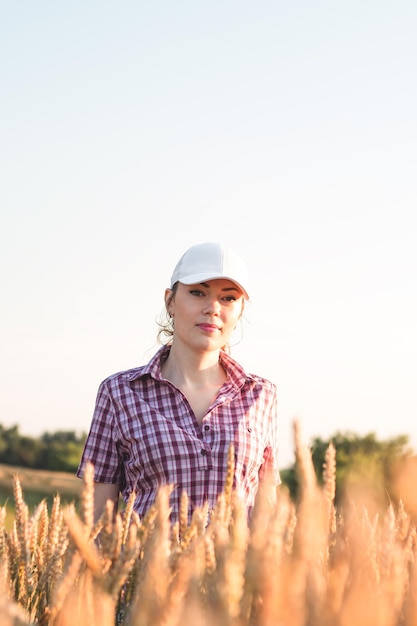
(102, 493)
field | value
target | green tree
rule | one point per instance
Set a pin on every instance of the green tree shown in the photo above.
(59, 451)
(62, 450)
(362, 463)
(11, 447)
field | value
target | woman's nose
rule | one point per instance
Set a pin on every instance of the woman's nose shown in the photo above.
(212, 306)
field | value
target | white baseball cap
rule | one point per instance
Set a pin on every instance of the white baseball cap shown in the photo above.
(208, 261)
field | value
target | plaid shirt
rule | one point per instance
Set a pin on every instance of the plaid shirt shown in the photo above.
(144, 434)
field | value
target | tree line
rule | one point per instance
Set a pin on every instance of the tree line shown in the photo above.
(59, 451)
(359, 460)
(362, 464)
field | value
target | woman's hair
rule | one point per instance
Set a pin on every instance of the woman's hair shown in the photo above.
(166, 322)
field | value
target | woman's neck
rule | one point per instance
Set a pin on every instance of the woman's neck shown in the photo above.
(193, 368)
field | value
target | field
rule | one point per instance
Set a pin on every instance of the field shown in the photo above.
(304, 563)
(37, 485)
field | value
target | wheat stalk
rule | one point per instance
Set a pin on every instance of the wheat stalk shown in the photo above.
(299, 563)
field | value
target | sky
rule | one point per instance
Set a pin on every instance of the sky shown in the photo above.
(286, 130)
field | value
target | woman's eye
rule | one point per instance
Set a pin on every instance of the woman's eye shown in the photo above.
(201, 294)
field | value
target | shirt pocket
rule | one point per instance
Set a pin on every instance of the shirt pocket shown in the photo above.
(249, 447)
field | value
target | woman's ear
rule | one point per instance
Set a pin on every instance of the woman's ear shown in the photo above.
(169, 297)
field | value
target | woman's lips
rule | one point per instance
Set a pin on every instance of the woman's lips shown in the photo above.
(210, 328)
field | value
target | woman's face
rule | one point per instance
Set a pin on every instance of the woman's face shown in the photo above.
(205, 314)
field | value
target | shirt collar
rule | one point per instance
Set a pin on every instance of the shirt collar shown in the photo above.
(235, 372)
(153, 367)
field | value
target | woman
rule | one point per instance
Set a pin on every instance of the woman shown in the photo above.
(172, 421)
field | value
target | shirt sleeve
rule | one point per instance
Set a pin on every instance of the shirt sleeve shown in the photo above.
(101, 444)
(270, 466)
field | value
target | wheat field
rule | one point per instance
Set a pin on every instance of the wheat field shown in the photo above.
(304, 563)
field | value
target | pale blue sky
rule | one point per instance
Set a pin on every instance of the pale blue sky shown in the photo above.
(288, 130)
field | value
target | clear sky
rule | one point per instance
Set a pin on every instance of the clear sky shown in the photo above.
(288, 130)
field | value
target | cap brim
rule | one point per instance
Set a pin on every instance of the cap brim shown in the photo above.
(202, 277)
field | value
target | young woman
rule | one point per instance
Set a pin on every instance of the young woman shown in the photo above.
(172, 421)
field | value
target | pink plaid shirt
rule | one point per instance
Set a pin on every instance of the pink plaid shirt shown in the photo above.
(144, 434)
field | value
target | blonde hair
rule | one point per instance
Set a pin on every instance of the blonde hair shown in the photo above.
(166, 321)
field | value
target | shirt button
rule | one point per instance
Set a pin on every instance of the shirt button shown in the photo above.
(206, 427)
(203, 452)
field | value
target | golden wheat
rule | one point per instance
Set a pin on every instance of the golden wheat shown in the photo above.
(298, 563)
